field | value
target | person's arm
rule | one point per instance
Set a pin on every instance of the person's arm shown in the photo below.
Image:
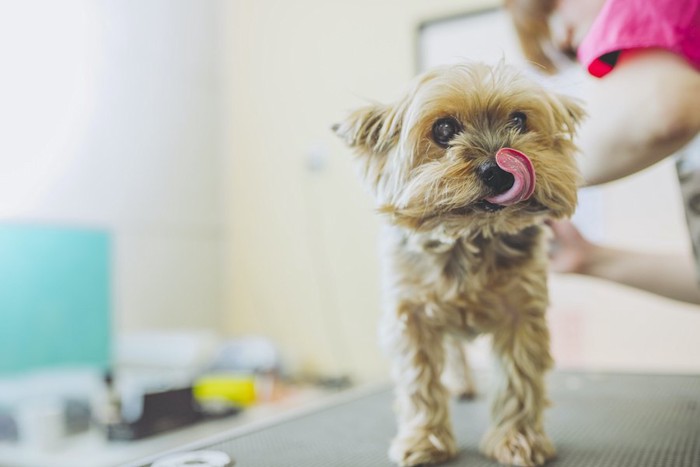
(671, 276)
(646, 109)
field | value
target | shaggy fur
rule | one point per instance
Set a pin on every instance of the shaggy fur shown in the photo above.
(454, 270)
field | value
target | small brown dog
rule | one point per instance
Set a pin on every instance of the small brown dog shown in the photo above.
(466, 168)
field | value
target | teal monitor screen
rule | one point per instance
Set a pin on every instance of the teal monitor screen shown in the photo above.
(54, 298)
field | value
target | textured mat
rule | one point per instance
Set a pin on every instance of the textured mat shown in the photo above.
(596, 421)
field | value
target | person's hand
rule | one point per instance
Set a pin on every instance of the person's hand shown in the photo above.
(569, 250)
(669, 275)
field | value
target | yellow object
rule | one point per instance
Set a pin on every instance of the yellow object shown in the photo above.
(235, 389)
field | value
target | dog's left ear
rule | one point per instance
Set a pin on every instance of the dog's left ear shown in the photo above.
(372, 129)
(569, 112)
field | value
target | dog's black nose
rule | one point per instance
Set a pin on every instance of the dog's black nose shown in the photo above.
(494, 177)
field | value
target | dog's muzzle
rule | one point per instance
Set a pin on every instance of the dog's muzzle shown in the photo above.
(495, 178)
(510, 177)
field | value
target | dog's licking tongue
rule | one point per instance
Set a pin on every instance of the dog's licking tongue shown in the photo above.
(519, 165)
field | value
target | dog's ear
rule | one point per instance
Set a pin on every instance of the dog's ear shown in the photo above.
(569, 112)
(372, 129)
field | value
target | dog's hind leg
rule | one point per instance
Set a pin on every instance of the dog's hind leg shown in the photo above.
(458, 377)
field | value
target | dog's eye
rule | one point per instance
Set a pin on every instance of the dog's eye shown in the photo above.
(518, 120)
(444, 130)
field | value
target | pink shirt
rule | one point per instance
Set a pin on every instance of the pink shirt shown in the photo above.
(635, 24)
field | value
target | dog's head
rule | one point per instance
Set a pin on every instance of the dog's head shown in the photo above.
(469, 147)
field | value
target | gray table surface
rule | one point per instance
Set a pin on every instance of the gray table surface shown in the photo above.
(597, 420)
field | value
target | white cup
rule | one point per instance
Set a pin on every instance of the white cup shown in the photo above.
(41, 424)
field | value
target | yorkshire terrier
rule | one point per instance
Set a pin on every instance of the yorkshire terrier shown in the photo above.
(466, 168)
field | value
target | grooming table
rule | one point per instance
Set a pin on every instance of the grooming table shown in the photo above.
(596, 420)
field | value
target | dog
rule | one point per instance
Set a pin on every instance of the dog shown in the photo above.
(465, 170)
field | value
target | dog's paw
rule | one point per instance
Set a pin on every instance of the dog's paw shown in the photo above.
(526, 448)
(423, 447)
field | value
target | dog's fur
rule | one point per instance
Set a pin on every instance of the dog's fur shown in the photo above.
(454, 270)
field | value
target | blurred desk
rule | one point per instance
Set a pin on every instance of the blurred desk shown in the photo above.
(93, 450)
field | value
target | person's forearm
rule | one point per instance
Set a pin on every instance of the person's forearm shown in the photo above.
(639, 114)
(671, 276)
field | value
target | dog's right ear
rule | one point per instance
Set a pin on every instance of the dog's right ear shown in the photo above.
(373, 129)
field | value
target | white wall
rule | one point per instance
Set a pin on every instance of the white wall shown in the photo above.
(115, 120)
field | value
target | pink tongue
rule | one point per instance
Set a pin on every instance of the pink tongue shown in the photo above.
(519, 165)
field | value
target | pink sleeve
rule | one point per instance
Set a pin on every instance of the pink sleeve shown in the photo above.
(633, 24)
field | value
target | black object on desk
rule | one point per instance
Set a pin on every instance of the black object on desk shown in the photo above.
(162, 411)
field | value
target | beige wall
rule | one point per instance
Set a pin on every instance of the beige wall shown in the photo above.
(303, 251)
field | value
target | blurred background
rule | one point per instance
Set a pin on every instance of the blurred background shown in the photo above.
(176, 213)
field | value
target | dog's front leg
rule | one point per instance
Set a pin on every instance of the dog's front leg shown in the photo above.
(422, 402)
(517, 435)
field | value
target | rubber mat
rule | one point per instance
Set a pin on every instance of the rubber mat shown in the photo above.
(596, 421)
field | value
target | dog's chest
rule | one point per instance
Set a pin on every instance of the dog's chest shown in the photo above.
(480, 255)
(461, 270)
(459, 273)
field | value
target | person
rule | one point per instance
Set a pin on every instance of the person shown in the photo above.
(644, 108)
